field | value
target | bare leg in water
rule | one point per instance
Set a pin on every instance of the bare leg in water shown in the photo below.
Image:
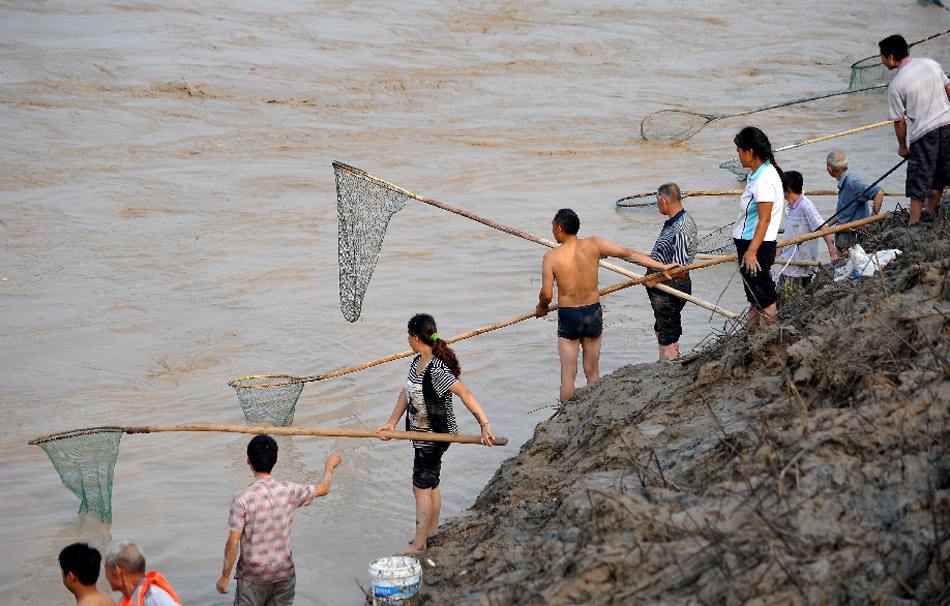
(567, 350)
(591, 347)
(433, 527)
(431, 516)
(426, 513)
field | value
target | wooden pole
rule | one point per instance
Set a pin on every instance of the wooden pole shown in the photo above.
(912, 44)
(737, 192)
(235, 382)
(636, 203)
(318, 431)
(783, 244)
(524, 235)
(842, 133)
(777, 261)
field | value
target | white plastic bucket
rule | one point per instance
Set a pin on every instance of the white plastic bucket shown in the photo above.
(395, 579)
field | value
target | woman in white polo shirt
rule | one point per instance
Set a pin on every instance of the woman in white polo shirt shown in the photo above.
(756, 227)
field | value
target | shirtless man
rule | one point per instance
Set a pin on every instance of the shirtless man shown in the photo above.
(80, 566)
(573, 265)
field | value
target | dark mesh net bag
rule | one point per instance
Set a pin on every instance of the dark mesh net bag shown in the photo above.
(364, 208)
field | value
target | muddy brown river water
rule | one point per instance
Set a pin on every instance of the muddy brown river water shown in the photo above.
(168, 220)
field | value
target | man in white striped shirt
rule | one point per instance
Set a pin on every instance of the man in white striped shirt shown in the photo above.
(676, 244)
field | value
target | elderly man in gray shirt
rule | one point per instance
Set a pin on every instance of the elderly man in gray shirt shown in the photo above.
(852, 198)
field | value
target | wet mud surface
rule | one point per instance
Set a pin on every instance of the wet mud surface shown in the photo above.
(803, 464)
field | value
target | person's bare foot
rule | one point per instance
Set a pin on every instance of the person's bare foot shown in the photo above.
(414, 549)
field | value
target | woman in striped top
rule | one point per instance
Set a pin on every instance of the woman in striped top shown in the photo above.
(427, 395)
(756, 227)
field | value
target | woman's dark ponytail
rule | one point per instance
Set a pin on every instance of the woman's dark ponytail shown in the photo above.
(423, 327)
(442, 351)
(753, 138)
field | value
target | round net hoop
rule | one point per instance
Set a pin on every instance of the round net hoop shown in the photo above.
(672, 125)
(633, 204)
(85, 460)
(270, 399)
(74, 433)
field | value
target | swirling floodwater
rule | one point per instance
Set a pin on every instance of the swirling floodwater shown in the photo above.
(168, 220)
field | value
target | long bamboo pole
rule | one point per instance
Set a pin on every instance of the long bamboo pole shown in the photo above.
(288, 379)
(635, 203)
(523, 234)
(829, 136)
(912, 44)
(777, 261)
(783, 244)
(736, 192)
(318, 431)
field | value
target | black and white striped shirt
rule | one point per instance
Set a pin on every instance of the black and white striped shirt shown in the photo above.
(442, 381)
(677, 241)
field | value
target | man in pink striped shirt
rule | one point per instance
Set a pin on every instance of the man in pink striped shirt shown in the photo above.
(261, 520)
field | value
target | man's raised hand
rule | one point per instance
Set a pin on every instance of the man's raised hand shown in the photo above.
(332, 461)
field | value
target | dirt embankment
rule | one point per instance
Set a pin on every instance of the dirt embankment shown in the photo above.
(805, 464)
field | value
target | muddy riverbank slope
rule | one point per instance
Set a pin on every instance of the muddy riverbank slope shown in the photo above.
(808, 463)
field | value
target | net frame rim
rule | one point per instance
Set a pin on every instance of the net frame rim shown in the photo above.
(362, 174)
(870, 60)
(684, 196)
(235, 382)
(673, 110)
(683, 135)
(75, 433)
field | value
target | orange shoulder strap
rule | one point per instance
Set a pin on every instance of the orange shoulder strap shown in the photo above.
(152, 578)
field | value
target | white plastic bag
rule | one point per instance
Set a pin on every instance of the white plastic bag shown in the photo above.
(862, 264)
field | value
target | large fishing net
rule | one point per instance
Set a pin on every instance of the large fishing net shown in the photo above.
(85, 460)
(673, 125)
(268, 399)
(718, 242)
(364, 208)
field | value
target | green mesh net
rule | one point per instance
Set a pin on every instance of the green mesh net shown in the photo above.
(85, 460)
(268, 399)
(871, 72)
(364, 208)
(868, 72)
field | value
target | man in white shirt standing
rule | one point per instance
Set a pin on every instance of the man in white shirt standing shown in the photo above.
(918, 99)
